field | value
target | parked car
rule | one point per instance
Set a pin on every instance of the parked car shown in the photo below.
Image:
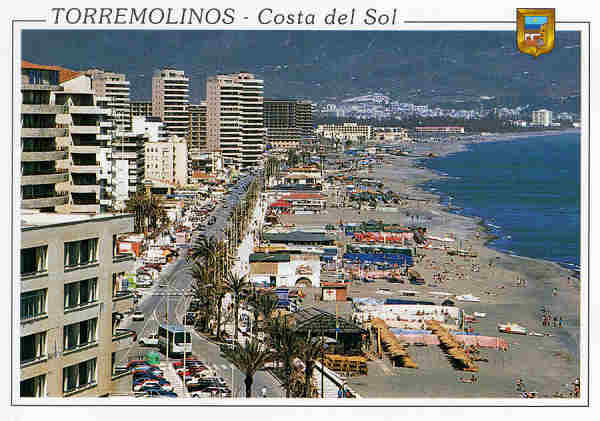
(150, 340)
(138, 316)
(192, 361)
(146, 369)
(150, 377)
(158, 393)
(151, 384)
(134, 363)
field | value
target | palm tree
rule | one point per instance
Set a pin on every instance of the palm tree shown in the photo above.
(310, 350)
(264, 304)
(235, 284)
(201, 289)
(249, 358)
(287, 346)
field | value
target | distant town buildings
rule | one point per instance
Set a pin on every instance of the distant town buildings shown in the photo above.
(345, 131)
(541, 118)
(234, 118)
(170, 98)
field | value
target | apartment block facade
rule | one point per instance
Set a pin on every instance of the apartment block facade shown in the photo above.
(167, 162)
(170, 99)
(287, 122)
(84, 141)
(127, 167)
(140, 108)
(197, 125)
(234, 118)
(71, 304)
(40, 156)
(115, 87)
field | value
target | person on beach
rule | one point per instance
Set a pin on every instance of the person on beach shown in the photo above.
(560, 322)
(554, 320)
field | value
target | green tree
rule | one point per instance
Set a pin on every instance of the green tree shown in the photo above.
(310, 350)
(287, 346)
(235, 285)
(249, 358)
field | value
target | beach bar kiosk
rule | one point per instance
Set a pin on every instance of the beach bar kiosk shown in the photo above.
(334, 291)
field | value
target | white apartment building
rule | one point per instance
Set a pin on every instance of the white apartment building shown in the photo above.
(153, 127)
(346, 131)
(115, 87)
(71, 304)
(127, 167)
(170, 99)
(234, 118)
(84, 140)
(167, 161)
(541, 118)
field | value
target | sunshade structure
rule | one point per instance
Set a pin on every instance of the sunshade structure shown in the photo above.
(396, 350)
(455, 350)
(322, 323)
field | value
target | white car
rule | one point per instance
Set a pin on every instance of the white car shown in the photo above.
(165, 387)
(151, 340)
(138, 316)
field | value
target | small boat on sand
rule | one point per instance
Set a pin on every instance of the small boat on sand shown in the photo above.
(512, 328)
(468, 297)
(476, 314)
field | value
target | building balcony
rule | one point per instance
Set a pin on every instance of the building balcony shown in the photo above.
(106, 124)
(40, 87)
(43, 109)
(43, 156)
(85, 109)
(86, 169)
(84, 188)
(43, 132)
(85, 130)
(103, 137)
(45, 202)
(84, 149)
(57, 176)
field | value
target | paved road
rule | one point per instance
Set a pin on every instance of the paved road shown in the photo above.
(153, 305)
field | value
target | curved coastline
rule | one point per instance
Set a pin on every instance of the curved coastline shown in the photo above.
(569, 338)
(494, 232)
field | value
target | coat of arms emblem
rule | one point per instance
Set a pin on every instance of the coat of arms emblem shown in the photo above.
(535, 31)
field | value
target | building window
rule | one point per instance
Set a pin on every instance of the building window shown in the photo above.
(80, 334)
(34, 387)
(80, 293)
(33, 304)
(34, 260)
(79, 375)
(33, 347)
(82, 252)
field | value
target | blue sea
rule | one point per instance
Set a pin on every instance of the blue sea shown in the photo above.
(527, 191)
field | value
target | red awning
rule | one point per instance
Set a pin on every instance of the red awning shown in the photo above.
(281, 204)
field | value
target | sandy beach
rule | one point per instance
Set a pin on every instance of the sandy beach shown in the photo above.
(545, 363)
